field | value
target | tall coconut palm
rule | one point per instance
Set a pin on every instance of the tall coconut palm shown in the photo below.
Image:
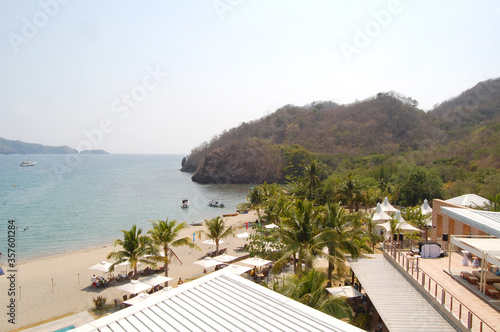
(302, 240)
(135, 246)
(340, 237)
(217, 230)
(312, 181)
(349, 191)
(164, 236)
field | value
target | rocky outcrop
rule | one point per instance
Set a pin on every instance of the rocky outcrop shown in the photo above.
(253, 162)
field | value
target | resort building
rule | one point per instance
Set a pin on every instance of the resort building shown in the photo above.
(457, 216)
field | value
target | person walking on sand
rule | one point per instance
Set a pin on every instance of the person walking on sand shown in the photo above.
(180, 282)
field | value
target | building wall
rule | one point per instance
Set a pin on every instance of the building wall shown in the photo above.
(447, 225)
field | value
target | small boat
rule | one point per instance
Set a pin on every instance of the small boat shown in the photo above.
(213, 203)
(185, 203)
(230, 215)
(25, 163)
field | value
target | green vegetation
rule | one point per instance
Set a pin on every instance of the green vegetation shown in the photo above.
(217, 230)
(164, 236)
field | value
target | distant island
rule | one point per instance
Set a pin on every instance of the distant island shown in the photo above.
(94, 152)
(18, 147)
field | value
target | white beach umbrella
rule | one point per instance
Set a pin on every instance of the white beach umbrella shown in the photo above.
(156, 280)
(138, 299)
(270, 226)
(404, 226)
(236, 269)
(225, 258)
(207, 262)
(345, 291)
(255, 261)
(380, 215)
(134, 287)
(101, 267)
(387, 207)
(244, 235)
(212, 242)
(425, 208)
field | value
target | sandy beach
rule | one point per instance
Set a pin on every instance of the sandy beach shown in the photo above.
(61, 284)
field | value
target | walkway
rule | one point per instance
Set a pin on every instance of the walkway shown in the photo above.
(399, 304)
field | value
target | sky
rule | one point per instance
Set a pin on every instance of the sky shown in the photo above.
(164, 76)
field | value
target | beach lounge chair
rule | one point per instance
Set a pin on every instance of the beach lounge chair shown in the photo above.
(222, 251)
(490, 277)
(470, 277)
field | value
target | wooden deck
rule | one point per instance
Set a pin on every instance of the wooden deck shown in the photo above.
(399, 304)
(487, 308)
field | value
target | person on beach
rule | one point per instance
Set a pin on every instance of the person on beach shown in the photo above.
(180, 282)
(93, 279)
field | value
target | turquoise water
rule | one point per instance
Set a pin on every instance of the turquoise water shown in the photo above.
(64, 204)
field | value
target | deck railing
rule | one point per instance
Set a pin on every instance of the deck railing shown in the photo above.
(448, 302)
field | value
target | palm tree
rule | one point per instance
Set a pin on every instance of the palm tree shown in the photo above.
(301, 238)
(135, 246)
(217, 230)
(350, 191)
(340, 237)
(311, 180)
(415, 217)
(164, 236)
(309, 289)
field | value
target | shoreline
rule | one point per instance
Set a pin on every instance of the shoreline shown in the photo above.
(59, 284)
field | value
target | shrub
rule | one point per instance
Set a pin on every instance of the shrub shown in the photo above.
(99, 302)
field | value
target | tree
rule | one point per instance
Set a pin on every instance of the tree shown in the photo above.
(301, 238)
(216, 230)
(135, 247)
(349, 191)
(309, 289)
(164, 236)
(339, 237)
(420, 184)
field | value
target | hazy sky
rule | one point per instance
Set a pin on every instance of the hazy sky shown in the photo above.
(163, 76)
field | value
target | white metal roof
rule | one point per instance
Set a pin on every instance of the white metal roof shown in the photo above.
(398, 302)
(219, 302)
(469, 200)
(486, 221)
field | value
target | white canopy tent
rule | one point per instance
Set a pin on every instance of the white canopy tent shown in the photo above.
(425, 208)
(387, 207)
(379, 215)
(344, 291)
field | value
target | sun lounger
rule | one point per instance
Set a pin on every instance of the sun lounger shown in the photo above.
(470, 277)
(496, 285)
(492, 291)
(490, 277)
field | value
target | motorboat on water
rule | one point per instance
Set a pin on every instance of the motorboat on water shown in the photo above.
(214, 203)
(25, 163)
(185, 203)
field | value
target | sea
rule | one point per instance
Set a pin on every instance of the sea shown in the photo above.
(71, 202)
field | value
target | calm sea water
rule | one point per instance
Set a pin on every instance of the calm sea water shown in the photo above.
(65, 204)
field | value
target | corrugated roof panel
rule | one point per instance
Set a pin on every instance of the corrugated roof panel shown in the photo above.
(115, 327)
(105, 329)
(220, 302)
(148, 322)
(137, 324)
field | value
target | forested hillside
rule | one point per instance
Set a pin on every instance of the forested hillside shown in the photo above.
(459, 140)
(18, 147)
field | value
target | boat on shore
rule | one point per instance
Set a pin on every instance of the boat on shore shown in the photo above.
(230, 215)
(26, 163)
(185, 203)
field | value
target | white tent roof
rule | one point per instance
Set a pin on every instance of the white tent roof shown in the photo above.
(486, 221)
(469, 200)
(219, 302)
(387, 207)
(425, 208)
(380, 215)
(346, 291)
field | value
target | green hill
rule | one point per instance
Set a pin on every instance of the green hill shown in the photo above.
(467, 126)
